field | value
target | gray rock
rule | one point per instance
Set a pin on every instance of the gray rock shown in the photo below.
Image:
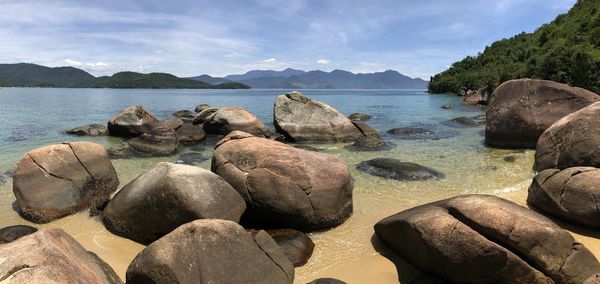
(131, 122)
(89, 130)
(359, 116)
(186, 114)
(211, 251)
(192, 159)
(370, 143)
(399, 170)
(228, 119)
(11, 233)
(447, 106)
(462, 122)
(160, 141)
(167, 196)
(189, 134)
(201, 107)
(420, 133)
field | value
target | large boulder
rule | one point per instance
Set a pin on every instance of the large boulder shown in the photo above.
(52, 256)
(486, 239)
(571, 194)
(57, 180)
(167, 196)
(391, 168)
(89, 130)
(283, 185)
(571, 142)
(520, 111)
(160, 141)
(11, 233)
(301, 119)
(211, 251)
(228, 119)
(132, 121)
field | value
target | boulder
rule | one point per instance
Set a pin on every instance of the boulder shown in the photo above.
(167, 196)
(57, 180)
(447, 106)
(160, 141)
(486, 239)
(297, 246)
(185, 114)
(359, 116)
(301, 119)
(571, 142)
(132, 121)
(202, 107)
(173, 123)
(52, 256)
(571, 194)
(211, 251)
(365, 129)
(203, 115)
(11, 233)
(285, 186)
(520, 111)
(476, 98)
(228, 119)
(189, 134)
(89, 130)
(390, 168)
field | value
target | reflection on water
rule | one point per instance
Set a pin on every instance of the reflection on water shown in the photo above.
(346, 252)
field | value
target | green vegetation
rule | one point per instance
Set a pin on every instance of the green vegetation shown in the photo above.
(566, 50)
(31, 75)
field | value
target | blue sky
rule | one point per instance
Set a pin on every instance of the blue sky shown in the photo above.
(187, 38)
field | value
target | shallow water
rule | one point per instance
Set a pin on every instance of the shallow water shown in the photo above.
(36, 117)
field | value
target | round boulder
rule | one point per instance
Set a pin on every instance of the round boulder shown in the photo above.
(132, 121)
(521, 110)
(285, 186)
(52, 256)
(486, 239)
(390, 168)
(57, 180)
(89, 130)
(160, 141)
(228, 119)
(571, 142)
(211, 251)
(201, 107)
(301, 119)
(167, 196)
(571, 194)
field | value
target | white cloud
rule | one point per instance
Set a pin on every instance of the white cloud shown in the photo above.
(271, 60)
(73, 62)
(323, 61)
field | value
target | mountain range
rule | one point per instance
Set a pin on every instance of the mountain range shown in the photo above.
(32, 75)
(336, 79)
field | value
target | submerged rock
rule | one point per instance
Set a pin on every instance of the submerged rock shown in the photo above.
(11, 233)
(192, 159)
(390, 168)
(52, 256)
(521, 110)
(359, 116)
(462, 122)
(213, 251)
(301, 119)
(285, 186)
(160, 141)
(447, 106)
(571, 142)
(571, 194)
(418, 133)
(89, 130)
(486, 239)
(370, 143)
(131, 122)
(167, 196)
(57, 180)
(297, 246)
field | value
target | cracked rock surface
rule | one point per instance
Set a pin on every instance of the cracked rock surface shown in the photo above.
(285, 186)
(52, 256)
(571, 142)
(57, 180)
(167, 196)
(521, 110)
(211, 251)
(571, 194)
(301, 119)
(486, 239)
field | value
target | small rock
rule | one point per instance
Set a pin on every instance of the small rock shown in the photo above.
(327, 281)
(359, 116)
(370, 143)
(418, 133)
(399, 170)
(184, 114)
(89, 130)
(202, 107)
(11, 233)
(510, 158)
(297, 246)
(447, 106)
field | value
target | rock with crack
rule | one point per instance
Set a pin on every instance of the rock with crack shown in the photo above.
(571, 142)
(571, 194)
(211, 251)
(167, 196)
(11, 233)
(57, 180)
(285, 186)
(131, 122)
(486, 239)
(52, 256)
(301, 119)
(228, 119)
(521, 110)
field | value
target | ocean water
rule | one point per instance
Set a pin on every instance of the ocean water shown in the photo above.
(36, 117)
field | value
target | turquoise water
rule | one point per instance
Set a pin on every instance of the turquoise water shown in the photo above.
(37, 117)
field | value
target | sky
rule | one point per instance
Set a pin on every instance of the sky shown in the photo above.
(189, 38)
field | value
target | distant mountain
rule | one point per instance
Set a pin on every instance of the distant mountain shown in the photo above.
(32, 75)
(209, 79)
(264, 73)
(336, 79)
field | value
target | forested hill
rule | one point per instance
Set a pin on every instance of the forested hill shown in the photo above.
(32, 75)
(566, 50)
